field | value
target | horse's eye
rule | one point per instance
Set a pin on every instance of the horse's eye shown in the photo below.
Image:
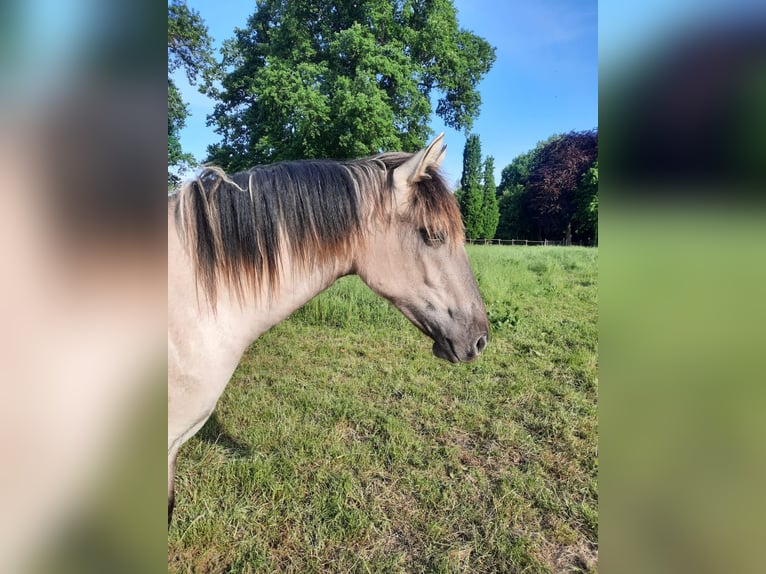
(433, 238)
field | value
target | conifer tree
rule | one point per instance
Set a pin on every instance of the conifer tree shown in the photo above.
(471, 197)
(490, 210)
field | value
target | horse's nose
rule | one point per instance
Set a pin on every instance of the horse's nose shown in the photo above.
(477, 348)
(481, 342)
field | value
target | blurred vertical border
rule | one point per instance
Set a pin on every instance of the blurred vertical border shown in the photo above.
(83, 288)
(682, 114)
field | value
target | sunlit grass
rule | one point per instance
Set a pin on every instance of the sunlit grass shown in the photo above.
(342, 444)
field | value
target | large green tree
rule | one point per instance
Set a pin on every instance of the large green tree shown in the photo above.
(189, 48)
(471, 195)
(490, 210)
(317, 78)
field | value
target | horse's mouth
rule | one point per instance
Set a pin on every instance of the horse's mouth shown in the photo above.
(446, 352)
(443, 347)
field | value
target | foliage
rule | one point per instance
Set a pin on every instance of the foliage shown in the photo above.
(458, 195)
(559, 199)
(585, 218)
(190, 49)
(490, 211)
(515, 221)
(313, 78)
(556, 173)
(502, 314)
(471, 175)
(508, 226)
(189, 44)
(177, 114)
(516, 174)
(471, 195)
(341, 441)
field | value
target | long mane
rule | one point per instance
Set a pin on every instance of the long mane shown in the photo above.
(236, 228)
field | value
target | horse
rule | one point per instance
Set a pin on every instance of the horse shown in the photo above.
(245, 251)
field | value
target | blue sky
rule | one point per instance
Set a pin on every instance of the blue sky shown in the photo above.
(544, 81)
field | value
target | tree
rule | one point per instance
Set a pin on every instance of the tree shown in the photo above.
(471, 196)
(557, 171)
(314, 78)
(490, 210)
(458, 192)
(515, 219)
(585, 218)
(189, 47)
(177, 114)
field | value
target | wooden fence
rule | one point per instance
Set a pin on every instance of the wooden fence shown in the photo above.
(520, 242)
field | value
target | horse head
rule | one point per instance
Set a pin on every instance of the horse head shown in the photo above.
(416, 258)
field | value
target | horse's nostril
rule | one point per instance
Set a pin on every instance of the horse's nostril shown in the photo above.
(481, 342)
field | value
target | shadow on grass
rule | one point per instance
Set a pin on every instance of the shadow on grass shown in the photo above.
(214, 433)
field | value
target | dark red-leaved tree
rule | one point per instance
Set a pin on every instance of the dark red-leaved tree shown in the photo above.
(553, 179)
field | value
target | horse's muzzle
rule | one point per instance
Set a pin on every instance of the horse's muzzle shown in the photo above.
(447, 350)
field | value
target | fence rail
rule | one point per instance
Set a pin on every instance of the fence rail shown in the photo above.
(545, 242)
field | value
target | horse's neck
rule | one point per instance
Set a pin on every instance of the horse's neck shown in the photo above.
(261, 311)
(235, 324)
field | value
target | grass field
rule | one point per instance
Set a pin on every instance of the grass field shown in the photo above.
(342, 445)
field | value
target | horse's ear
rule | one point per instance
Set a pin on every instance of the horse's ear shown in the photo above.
(415, 168)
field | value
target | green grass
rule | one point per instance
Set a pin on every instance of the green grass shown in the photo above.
(342, 445)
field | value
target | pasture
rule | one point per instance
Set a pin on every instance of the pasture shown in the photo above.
(342, 445)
